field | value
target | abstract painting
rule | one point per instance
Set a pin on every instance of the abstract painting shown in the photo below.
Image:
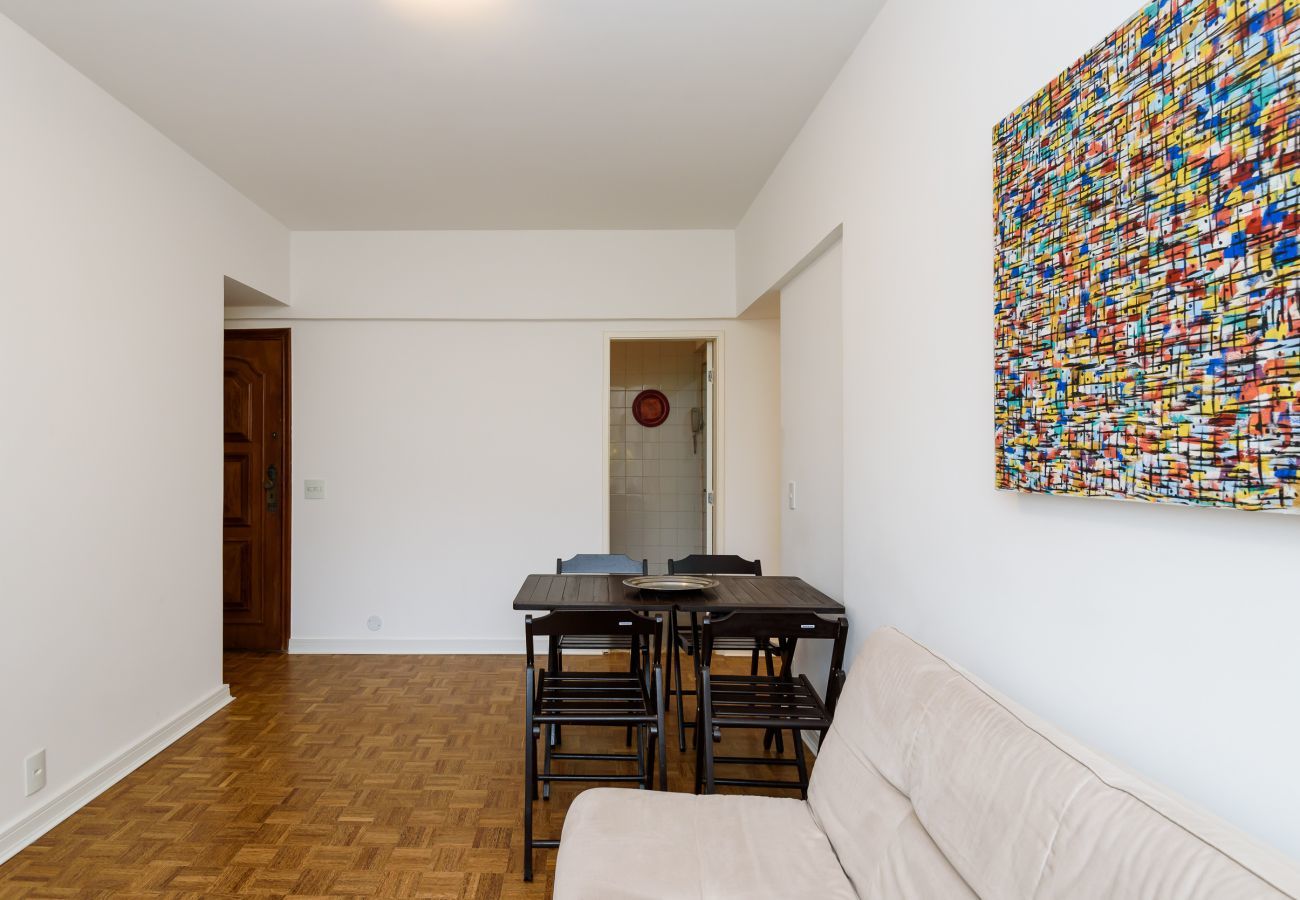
(1147, 265)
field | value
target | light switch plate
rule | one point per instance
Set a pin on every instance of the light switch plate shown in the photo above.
(313, 489)
(790, 495)
(34, 769)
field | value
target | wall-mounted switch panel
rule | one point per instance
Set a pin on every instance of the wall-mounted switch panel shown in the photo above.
(34, 767)
(790, 494)
(313, 489)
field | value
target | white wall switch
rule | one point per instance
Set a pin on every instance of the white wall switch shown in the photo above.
(790, 494)
(313, 489)
(34, 767)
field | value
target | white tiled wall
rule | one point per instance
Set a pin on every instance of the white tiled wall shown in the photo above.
(656, 475)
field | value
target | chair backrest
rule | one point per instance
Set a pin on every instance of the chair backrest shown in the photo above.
(601, 564)
(587, 622)
(765, 625)
(714, 564)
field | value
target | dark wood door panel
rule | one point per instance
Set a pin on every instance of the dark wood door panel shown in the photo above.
(237, 568)
(245, 400)
(237, 492)
(256, 490)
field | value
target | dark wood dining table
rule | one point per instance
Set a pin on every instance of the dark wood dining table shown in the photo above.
(772, 593)
(734, 593)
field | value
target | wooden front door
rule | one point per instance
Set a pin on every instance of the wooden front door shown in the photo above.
(255, 532)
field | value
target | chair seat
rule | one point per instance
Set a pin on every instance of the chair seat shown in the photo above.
(594, 642)
(704, 847)
(758, 701)
(575, 696)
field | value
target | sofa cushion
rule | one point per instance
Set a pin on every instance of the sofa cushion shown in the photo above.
(877, 836)
(620, 844)
(1018, 809)
(1111, 844)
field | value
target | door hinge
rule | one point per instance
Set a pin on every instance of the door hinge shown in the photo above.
(709, 497)
(710, 376)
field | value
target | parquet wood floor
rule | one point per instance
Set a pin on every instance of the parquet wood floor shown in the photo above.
(393, 776)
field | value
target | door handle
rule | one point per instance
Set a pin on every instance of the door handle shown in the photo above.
(271, 486)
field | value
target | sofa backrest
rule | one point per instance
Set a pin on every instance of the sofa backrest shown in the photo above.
(931, 784)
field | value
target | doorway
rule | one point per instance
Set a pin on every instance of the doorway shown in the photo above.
(661, 451)
(256, 490)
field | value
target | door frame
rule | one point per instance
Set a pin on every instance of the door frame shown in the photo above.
(284, 337)
(718, 437)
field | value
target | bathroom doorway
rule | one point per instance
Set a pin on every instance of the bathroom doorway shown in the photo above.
(662, 495)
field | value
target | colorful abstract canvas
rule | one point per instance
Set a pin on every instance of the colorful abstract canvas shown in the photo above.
(1147, 208)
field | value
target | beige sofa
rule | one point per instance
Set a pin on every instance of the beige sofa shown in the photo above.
(930, 785)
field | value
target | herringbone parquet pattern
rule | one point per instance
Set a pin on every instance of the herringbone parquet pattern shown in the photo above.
(393, 776)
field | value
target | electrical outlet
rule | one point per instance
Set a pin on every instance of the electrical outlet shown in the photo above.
(34, 767)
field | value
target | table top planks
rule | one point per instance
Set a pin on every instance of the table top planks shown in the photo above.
(734, 592)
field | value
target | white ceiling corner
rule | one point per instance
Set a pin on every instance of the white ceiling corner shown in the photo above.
(426, 114)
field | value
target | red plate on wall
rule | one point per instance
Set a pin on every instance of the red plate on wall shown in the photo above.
(650, 408)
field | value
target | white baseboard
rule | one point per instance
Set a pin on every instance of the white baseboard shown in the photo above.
(59, 807)
(419, 646)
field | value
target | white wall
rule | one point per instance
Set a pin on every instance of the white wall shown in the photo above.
(113, 247)
(812, 435)
(461, 456)
(513, 274)
(456, 410)
(1165, 636)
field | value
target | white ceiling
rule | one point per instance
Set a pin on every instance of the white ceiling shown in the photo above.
(379, 114)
